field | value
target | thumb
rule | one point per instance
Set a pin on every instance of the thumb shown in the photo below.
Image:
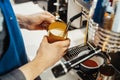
(44, 40)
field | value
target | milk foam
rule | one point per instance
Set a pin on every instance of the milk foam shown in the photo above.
(57, 32)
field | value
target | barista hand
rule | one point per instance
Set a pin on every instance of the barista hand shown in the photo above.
(47, 55)
(38, 21)
(52, 52)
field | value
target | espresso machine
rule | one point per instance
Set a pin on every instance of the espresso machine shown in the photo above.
(102, 38)
(59, 7)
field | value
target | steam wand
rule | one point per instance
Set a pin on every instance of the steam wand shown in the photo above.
(71, 20)
(64, 67)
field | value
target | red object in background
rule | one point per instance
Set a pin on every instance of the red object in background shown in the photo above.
(90, 63)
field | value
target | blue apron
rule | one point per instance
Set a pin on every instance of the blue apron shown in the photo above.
(15, 56)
